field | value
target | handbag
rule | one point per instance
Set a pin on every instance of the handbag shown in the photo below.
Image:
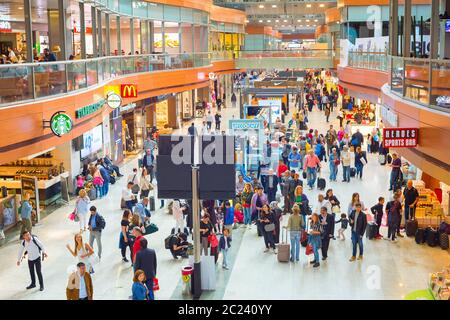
(337, 162)
(269, 227)
(72, 216)
(304, 237)
(135, 188)
(309, 249)
(363, 161)
(155, 284)
(150, 228)
(304, 174)
(335, 209)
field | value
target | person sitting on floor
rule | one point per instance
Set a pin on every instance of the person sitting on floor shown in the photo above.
(179, 245)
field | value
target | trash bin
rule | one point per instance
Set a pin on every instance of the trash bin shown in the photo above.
(186, 275)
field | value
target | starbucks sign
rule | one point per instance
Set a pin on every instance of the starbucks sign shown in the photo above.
(60, 124)
(113, 100)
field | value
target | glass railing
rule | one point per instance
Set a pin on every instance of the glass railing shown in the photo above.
(304, 53)
(368, 60)
(422, 80)
(23, 82)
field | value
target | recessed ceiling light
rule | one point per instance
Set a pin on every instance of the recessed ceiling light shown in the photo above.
(315, 20)
(261, 6)
(269, 20)
(301, 25)
(20, 8)
(274, 6)
(307, 20)
(299, 20)
(308, 5)
(307, 25)
(282, 25)
(246, 21)
(260, 20)
(277, 20)
(338, 22)
(284, 20)
(321, 5)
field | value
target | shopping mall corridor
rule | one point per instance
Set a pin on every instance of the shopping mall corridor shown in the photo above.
(388, 271)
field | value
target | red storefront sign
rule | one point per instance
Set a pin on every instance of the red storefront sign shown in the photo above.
(128, 91)
(400, 137)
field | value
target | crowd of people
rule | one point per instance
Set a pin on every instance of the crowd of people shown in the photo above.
(262, 201)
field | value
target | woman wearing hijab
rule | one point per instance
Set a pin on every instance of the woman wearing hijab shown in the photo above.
(278, 214)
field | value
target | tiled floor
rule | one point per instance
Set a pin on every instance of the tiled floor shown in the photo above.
(389, 271)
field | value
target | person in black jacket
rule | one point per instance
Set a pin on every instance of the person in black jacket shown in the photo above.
(327, 221)
(358, 223)
(146, 261)
(147, 163)
(394, 217)
(377, 211)
(270, 184)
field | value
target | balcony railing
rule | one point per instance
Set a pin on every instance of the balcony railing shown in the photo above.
(368, 60)
(305, 53)
(425, 81)
(25, 82)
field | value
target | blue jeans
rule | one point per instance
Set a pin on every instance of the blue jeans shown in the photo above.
(99, 190)
(295, 245)
(312, 175)
(247, 216)
(225, 257)
(359, 169)
(357, 240)
(105, 188)
(333, 171)
(393, 179)
(149, 284)
(315, 241)
(130, 205)
(346, 173)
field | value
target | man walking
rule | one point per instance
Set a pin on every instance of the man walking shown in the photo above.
(34, 248)
(311, 164)
(327, 221)
(79, 286)
(217, 118)
(96, 225)
(146, 261)
(209, 120)
(358, 223)
(26, 210)
(285, 182)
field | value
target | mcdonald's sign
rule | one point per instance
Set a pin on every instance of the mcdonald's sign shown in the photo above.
(128, 91)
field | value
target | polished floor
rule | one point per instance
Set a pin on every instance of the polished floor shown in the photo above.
(388, 271)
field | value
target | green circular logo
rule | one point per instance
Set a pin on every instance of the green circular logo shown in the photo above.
(61, 124)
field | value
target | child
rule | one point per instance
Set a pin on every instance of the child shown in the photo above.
(224, 245)
(344, 224)
(80, 183)
(238, 215)
(377, 211)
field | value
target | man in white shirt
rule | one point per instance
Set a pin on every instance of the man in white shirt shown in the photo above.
(33, 247)
(321, 202)
(209, 120)
(204, 130)
(128, 196)
(177, 210)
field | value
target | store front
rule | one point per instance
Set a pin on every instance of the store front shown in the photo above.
(162, 113)
(186, 105)
(133, 120)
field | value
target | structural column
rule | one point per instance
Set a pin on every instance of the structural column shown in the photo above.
(434, 30)
(193, 38)
(180, 32)
(82, 31)
(119, 36)
(100, 33)
(62, 28)
(407, 29)
(28, 30)
(163, 37)
(132, 35)
(393, 29)
(108, 39)
(94, 31)
(152, 36)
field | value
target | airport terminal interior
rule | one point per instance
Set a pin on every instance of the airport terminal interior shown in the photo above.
(225, 150)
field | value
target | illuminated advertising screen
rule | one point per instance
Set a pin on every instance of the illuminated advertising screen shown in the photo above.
(275, 105)
(172, 40)
(93, 141)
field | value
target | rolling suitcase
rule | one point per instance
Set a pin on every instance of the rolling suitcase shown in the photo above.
(152, 203)
(420, 236)
(432, 237)
(443, 241)
(284, 248)
(411, 227)
(352, 172)
(321, 183)
(371, 231)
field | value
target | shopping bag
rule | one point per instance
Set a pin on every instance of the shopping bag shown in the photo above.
(309, 249)
(155, 284)
(72, 216)
(212, 239)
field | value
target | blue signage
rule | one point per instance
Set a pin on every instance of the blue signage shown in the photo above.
(243, 124)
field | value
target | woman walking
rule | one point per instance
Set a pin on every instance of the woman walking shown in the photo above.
(125, 238)
(352, 204)
(267, 223)
(83, 251)
(144, 183)
(139, 289)
(295, 226)
(278, 215)
(334, 164)
(82, 209)
(360, 161)
(205, 230)
(247, 195)
(315, 232)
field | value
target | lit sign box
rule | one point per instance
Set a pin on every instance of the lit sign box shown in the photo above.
(400, 137)
(128, 91)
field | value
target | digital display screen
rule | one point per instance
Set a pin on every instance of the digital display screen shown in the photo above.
(93, 141)
(447, 25)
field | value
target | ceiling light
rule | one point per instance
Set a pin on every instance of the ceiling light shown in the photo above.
(315, 20)
(308, 5)
(299, 20)
(20, 8)
(338, 22)
(282, 25)
(307, 20)
(321, 5)
(284, 20)
(307, 25)
(246, 21)
(274, 6)
(260, 20)
(277, 20)
(261, 6)
(269, 20)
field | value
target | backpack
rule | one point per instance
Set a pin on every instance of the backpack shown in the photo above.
(101, 222)
(167, 241)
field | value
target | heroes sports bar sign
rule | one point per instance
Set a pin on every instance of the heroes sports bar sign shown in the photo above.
(400, 137)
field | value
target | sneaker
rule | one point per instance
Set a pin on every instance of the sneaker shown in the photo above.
(274, 251)
(352, 259)
(360, 257)
(324, 258)
(312, 262)
(31, 286)
(41, 288)
(316, 265)
(291, 260)
(266, 250)
(125, 260)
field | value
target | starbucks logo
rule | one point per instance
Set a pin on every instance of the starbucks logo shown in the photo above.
(60, 124)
